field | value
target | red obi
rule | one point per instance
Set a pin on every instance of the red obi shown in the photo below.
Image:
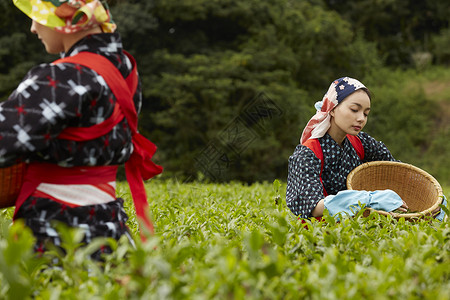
(138, 168)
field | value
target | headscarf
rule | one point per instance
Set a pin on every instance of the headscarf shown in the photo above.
(68, 16)
(319, 124)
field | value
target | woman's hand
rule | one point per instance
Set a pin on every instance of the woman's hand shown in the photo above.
(436, 211)
(403, 207)
(318, 210)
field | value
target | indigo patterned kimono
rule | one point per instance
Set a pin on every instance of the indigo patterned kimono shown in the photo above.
(304, 189)
(49, 99)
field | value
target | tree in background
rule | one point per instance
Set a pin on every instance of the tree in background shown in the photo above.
(19, 49)
(205, 62)
(228, 85)
(400, 28)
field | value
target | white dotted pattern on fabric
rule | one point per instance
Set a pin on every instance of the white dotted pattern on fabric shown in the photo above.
(304, 189)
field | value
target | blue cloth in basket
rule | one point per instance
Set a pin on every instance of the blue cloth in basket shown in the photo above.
(347, 201)
(441, 215)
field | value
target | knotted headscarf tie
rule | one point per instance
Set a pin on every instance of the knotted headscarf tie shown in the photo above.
(319, 124)
(68, 16)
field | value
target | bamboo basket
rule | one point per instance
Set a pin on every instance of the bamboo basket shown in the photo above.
(421, 191)
(11, 179)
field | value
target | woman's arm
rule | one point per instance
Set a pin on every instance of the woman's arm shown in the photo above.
(304, 189)
(374, 150)
(47, 100)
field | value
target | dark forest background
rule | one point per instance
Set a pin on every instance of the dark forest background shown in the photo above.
(228, 85)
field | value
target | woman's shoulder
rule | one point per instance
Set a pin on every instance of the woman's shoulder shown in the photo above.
(61, 70)
(61, 81)
(45, 75)
(303, 154)
(364, 136)
(367, 140)
(375, 149)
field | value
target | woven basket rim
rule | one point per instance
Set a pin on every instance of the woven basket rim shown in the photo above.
(11, 180)
(427, 212)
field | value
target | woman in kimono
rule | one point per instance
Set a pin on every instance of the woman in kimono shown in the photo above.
(331, 146)
(73, 122)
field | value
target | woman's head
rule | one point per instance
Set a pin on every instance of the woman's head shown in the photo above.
(350, 115)
(68, 16)
(339, 90)
(53, 40)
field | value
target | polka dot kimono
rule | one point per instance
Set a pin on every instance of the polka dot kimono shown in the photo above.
(304, 189)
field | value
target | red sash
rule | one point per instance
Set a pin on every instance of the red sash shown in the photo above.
(139, 167)
(37, 173)
(314, 145)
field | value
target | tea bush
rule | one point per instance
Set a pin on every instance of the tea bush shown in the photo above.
(235, 241)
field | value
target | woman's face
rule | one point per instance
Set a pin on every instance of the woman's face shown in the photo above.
(350, 116)
(51, 39)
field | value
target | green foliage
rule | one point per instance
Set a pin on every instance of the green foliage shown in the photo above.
(397, 104)
(400, 28)
(410, 113)
(440, 49)
(19, 48)
(233, 241)
(207, 65)
(206, 62)
(18, 268)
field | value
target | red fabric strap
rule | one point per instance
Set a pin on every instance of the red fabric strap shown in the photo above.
(95, 131)
(140, 166)
(117, 84)
(37, 173)
(314, 145)
(357, 144)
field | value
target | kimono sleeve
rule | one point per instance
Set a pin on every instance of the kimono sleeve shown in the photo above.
(304, 189)
(374, 150)
(43, 104)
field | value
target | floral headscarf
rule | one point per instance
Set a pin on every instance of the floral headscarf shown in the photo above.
(319, 124)
(68, 16)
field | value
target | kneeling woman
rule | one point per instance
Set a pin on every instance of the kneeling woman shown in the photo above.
(74, 121)
(331, 146)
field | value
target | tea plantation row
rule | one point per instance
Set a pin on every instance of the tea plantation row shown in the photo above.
(234, 241)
